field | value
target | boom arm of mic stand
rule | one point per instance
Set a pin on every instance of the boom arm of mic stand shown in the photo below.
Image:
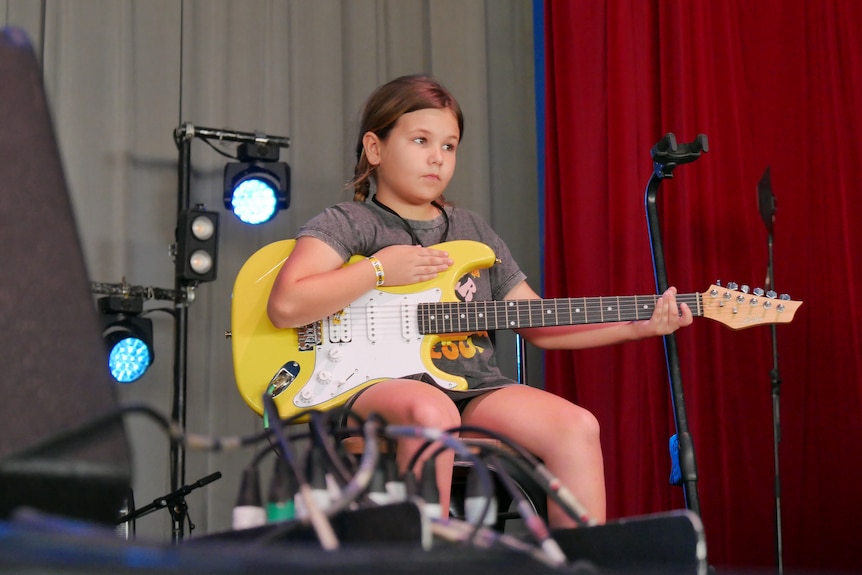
(174, 501)
(667, 155)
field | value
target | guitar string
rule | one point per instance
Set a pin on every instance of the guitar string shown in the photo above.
(389, 318)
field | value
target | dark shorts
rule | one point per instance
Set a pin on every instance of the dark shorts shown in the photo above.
(459, 398)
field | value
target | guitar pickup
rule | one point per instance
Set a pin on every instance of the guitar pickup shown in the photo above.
(338, 327)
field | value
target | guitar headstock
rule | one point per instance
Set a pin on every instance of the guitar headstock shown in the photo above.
(743, 308)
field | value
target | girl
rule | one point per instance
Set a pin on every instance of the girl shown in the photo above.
(408, 142)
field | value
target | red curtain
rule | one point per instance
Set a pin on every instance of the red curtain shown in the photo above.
(772, 83)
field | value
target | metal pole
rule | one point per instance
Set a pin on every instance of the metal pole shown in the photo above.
(181, 313)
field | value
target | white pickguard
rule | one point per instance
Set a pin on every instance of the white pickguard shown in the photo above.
(377, 331)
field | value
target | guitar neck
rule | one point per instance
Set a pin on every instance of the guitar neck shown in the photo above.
(461, 317)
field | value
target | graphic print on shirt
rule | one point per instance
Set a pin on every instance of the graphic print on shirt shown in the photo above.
(461, 345)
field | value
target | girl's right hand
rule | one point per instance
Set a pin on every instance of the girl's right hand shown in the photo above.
(404, 265)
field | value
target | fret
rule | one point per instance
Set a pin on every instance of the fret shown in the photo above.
(511, 313)
(513, 318)
(569, 309)
(457, 317)
(593, 310)
(546, 314)
(494, 316)
(482, 320)
(470, 317)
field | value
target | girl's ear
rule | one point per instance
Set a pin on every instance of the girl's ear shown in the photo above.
(371, 143)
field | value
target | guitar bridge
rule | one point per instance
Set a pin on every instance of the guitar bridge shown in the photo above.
(309, 336)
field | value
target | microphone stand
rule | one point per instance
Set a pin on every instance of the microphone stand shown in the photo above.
(667, 155)
(766, 207)
(176, 504)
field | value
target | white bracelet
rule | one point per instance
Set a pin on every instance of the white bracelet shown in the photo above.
(378, 269)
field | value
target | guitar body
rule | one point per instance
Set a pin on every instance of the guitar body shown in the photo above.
(373, 339)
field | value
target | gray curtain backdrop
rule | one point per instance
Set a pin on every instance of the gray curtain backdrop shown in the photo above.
(121, 75)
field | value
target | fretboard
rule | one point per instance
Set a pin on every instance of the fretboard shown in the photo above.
(462, 317)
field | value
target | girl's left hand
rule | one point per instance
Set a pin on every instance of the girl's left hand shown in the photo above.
(667, 317)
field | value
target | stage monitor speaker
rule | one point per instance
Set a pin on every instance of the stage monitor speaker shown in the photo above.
(53, 365)
(669, 543)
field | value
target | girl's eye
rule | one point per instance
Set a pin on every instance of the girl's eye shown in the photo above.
(420, 140)
(449, 147)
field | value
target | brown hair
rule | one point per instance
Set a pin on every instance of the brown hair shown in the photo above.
(383, 109)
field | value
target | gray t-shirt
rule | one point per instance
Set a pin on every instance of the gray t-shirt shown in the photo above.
(358, 228)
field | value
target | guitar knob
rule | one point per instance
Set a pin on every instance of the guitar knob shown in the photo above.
(324, 376)
(335, 353)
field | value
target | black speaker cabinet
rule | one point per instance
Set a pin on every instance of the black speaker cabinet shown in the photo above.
(53, 370)
(670, 543)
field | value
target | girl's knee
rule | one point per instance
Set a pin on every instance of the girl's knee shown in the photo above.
(588, 422)
(440, 413)
(580, 424)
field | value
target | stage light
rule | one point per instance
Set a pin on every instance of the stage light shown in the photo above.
(258, 186)
(128, 337)
(196, 257)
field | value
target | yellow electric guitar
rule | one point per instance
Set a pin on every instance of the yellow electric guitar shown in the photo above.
(389, 332)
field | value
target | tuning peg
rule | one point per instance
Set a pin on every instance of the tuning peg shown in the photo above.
(758, 292)
(784, 296)
(771, 294)
(718, 283)
(744, 288)
(732, 285)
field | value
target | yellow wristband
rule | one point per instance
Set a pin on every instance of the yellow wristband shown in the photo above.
(378, 269)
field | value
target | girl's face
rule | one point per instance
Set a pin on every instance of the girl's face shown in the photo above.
(416, 161)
